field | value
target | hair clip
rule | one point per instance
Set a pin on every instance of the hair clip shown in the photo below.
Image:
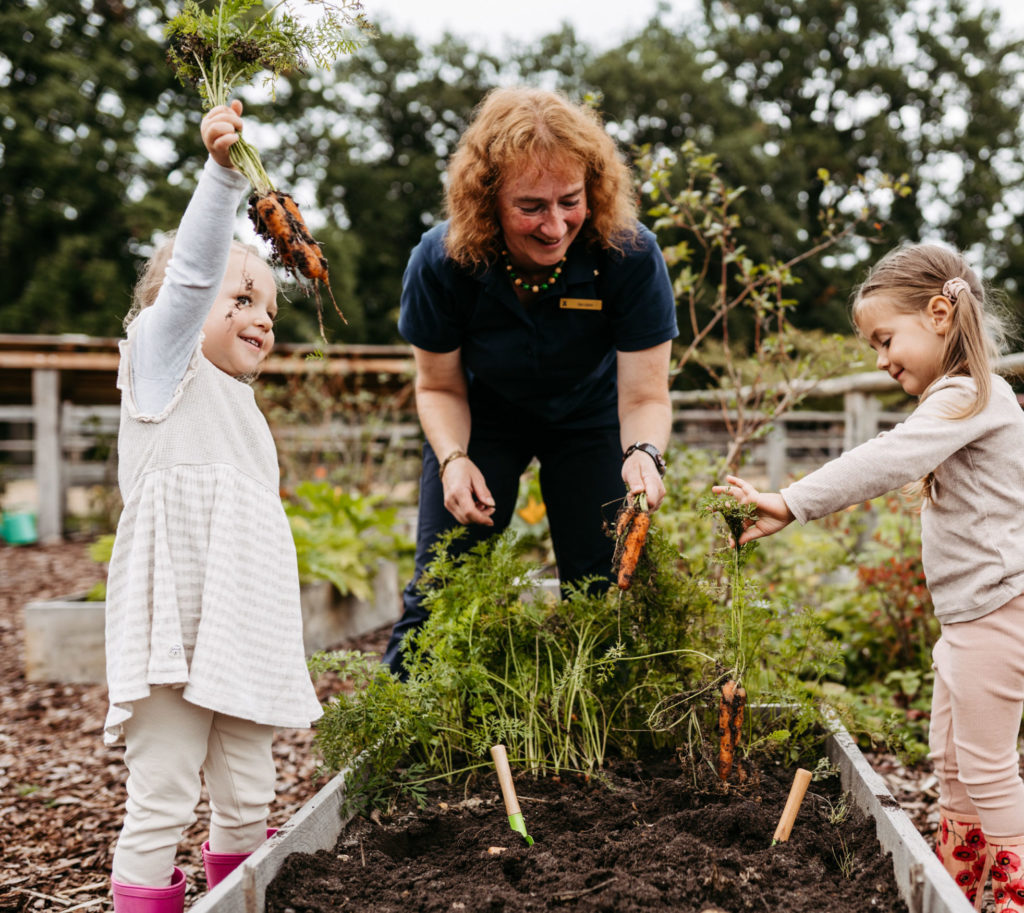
(951, 288)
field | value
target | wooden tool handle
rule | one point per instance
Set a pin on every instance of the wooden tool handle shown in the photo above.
(796, 797)
(508, 790)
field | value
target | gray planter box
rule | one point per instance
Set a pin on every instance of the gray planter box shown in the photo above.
(64, 637)
(921, 880)
(64, 640)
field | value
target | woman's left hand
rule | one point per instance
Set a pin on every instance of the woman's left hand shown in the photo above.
(645, 414)
(641, 475)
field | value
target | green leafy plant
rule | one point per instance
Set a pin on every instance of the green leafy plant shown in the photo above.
(881, 682)
(100, 551)
(238, 40)
(341, 536)
(563, 684)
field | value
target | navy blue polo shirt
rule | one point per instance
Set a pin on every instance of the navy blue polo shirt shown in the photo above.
(551, 360)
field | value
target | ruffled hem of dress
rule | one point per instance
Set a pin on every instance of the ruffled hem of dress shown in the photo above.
(113, 726)
(124, 381)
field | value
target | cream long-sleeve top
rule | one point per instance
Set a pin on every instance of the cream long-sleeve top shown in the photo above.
(203, 587)
(972, 528)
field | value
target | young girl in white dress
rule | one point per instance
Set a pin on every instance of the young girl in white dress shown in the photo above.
(203, 628)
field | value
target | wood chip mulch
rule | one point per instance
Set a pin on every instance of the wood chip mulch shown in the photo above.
(61, 788)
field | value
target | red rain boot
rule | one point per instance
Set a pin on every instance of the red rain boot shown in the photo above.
(1008, 873)
(137, 898)
(219, 865)
(961, 848)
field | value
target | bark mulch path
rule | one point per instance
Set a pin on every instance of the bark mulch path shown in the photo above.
(62, 790)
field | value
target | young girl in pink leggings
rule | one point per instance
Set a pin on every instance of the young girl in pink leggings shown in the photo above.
(923, 311)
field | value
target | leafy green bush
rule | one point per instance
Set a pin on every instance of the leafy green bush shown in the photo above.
(859, 572)
(341, 536)
(564, 684)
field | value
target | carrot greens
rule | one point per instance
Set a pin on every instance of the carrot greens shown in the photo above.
(217, 48)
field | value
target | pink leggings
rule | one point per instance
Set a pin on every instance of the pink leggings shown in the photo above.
(976, 716)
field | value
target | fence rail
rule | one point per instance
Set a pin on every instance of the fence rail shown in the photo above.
(61, 443)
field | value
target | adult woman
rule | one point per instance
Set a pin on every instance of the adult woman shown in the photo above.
(541, 317)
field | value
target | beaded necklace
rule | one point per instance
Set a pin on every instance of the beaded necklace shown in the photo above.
(519, 282)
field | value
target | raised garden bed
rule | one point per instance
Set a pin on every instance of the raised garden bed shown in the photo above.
(657, 840)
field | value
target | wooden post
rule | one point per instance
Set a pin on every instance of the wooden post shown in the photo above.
(861, 415)
(776, 455)
(47, 454)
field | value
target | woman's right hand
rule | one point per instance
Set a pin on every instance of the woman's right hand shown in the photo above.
(466, 495)
(221, 128)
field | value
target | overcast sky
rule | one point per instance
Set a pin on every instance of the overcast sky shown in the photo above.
(601, 22)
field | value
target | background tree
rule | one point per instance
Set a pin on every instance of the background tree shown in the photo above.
(373, 145)
(873, 87)
(81, 81)
(98, 146)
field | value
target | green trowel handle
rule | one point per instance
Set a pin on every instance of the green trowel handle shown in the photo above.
(517, 824)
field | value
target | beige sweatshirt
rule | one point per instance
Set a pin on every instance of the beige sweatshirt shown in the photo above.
(972, 530)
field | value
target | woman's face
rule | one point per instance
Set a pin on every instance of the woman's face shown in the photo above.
(541, 212)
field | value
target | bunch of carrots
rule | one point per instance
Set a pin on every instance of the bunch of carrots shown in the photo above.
(237, 40)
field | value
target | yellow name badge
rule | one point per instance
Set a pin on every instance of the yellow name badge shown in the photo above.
(580, 304)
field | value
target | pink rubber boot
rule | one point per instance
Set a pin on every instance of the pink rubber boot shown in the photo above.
(219, 865)
(137, 898)
(961, 848)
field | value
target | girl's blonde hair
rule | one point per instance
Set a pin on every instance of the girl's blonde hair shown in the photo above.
(517, 129)
(151, 275)
(910, 276)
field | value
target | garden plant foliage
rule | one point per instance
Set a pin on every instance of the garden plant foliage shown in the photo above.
(566, 684)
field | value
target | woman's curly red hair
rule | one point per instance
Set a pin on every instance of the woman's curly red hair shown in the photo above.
(515, 129)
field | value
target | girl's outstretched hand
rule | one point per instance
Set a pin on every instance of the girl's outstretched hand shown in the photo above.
(772, 512)
(220, 130)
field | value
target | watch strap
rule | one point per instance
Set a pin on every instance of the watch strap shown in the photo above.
(653, 452)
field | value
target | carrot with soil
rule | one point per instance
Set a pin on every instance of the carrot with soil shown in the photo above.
(217, 51)
(631, 528)
(730, 725)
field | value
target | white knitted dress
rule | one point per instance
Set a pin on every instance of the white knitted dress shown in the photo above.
(203, 588)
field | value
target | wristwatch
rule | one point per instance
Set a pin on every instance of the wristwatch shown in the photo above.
(653, 452)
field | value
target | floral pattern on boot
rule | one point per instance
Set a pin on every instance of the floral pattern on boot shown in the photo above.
(962, 850)
(1007, 877)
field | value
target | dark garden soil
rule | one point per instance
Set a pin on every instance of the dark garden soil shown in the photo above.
(646, 839)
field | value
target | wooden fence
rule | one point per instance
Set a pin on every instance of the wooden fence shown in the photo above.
(61, 442)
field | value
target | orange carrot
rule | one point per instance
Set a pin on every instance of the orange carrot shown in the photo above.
(625, 519)
(277, 219)
(633, 545)
(730, 725)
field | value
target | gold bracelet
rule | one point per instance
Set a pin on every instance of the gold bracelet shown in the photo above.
(454, 455)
